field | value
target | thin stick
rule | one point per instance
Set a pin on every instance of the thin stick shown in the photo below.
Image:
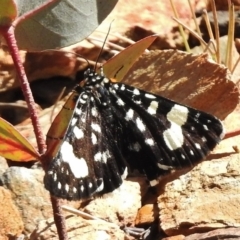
(117, 47)
(207, 21)
(232, 134)
(216, 28)
(231, 23)
(180, 28)
(235, 65)
(193, 33)
(102, 46)
(195, 22)
(211, 42)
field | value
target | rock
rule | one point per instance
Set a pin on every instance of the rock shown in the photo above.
(3, 165)
(146, 215)
(178, 237)
(11, 224)
(227, 233)
(30, 197)
(28, 194)
(119, 207)
(80, 229)
(205, 198)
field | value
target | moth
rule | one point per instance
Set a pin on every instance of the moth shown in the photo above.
(115, 127)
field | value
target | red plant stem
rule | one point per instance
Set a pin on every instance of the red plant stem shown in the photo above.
(59, 219)
(8, 34)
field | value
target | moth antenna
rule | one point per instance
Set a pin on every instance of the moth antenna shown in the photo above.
(100, 53)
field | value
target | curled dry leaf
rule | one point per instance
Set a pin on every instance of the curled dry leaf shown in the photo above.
(193, 80)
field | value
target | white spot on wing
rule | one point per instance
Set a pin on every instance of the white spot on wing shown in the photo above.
(97, 157)
(106, 80)
(100, 188)
(67, 187)
(152, 109)
(94, 139)
(149, 141)
(78, 132)
(54, 177)
(125, 173)
(136, 91)
(178, 115)
(105, 156)
(102, 156)
(173, 137)
(153, 182)
(164, 167)
(73, 122)
(112, 90)
(147, 95)
(198, 145)
(83, 98)
(140, 125)
(129, 115)
(59, 185)
(122, 88)
(120, 102)
(96, 127)
(116, 86)
(137, 101)
(205, 127)
(78, 166)
(94, 112)
(78, 111)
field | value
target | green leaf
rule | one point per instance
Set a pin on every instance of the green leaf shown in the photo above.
(14, 146)
(59, 24)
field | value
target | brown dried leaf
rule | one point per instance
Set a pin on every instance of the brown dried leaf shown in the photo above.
(192, 80)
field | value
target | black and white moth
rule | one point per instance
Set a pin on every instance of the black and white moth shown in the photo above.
(115, 127)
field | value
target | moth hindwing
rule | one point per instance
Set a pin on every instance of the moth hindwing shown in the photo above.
(114, 127)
